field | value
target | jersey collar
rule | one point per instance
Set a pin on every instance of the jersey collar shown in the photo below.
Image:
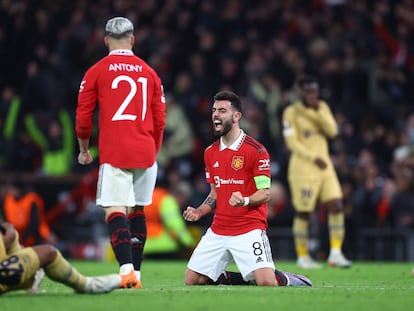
(234, 146)
(121, 52)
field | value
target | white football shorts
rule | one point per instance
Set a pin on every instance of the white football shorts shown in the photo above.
(125, 187)
(249, 251)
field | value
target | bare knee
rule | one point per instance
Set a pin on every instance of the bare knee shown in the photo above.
(334, 206)
(194, 278)
(265, 277)
(303, 215)
(46, 254)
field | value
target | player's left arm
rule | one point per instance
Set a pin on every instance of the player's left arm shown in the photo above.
(262, 194)
(159, 113)
(260, 173)
(262, 178)
(326, 120)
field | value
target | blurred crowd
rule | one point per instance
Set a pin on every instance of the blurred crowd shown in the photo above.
(362, 52)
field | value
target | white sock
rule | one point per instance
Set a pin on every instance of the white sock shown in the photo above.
(126, 268)
(138, 275)
(335, 252)
(88, 283)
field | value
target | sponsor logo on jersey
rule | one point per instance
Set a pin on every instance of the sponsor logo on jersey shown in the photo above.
(237, 162)
(135, 240)
(82, 86)
(264, 165)
(216, 164)
(230, 181)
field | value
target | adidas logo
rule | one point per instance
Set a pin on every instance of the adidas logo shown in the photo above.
(216, 164)
(259, 259)
(135, 240)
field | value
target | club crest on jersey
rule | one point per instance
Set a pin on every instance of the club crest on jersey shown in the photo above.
(237, 162)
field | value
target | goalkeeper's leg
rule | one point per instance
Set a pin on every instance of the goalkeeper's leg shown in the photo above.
(60, 270)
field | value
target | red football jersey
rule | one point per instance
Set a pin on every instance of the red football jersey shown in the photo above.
(233, 169)
(131, 109)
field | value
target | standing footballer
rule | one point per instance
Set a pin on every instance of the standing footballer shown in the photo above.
(131, 125)
(307, 126)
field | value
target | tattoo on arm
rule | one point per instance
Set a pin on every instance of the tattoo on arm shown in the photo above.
(210, 202)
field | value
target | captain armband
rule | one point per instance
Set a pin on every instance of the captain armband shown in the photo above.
(210, 202)
(262, 181)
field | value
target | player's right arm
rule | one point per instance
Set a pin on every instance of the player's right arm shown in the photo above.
(87, 98)
(159, 114)
(291, 134)
(194, 214)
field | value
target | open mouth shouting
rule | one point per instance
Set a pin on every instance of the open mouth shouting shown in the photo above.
(218, 125)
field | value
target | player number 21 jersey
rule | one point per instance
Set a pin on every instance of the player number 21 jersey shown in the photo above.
(131, 109)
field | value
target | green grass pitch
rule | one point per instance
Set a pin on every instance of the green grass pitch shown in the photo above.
(366, 286)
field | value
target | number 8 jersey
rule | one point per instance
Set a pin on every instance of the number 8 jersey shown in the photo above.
(131, 109)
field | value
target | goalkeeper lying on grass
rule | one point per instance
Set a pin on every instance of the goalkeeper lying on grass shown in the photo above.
(19, 266)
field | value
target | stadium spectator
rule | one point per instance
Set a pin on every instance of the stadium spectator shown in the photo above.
(131, 124)
(76, 208)
(20, 265)
(167, 234)
(402, 203)
(57, 144)
(26, 211)
(238, 171)
(10, 105)
(280, 211)
(178, 142)
(368, 191)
